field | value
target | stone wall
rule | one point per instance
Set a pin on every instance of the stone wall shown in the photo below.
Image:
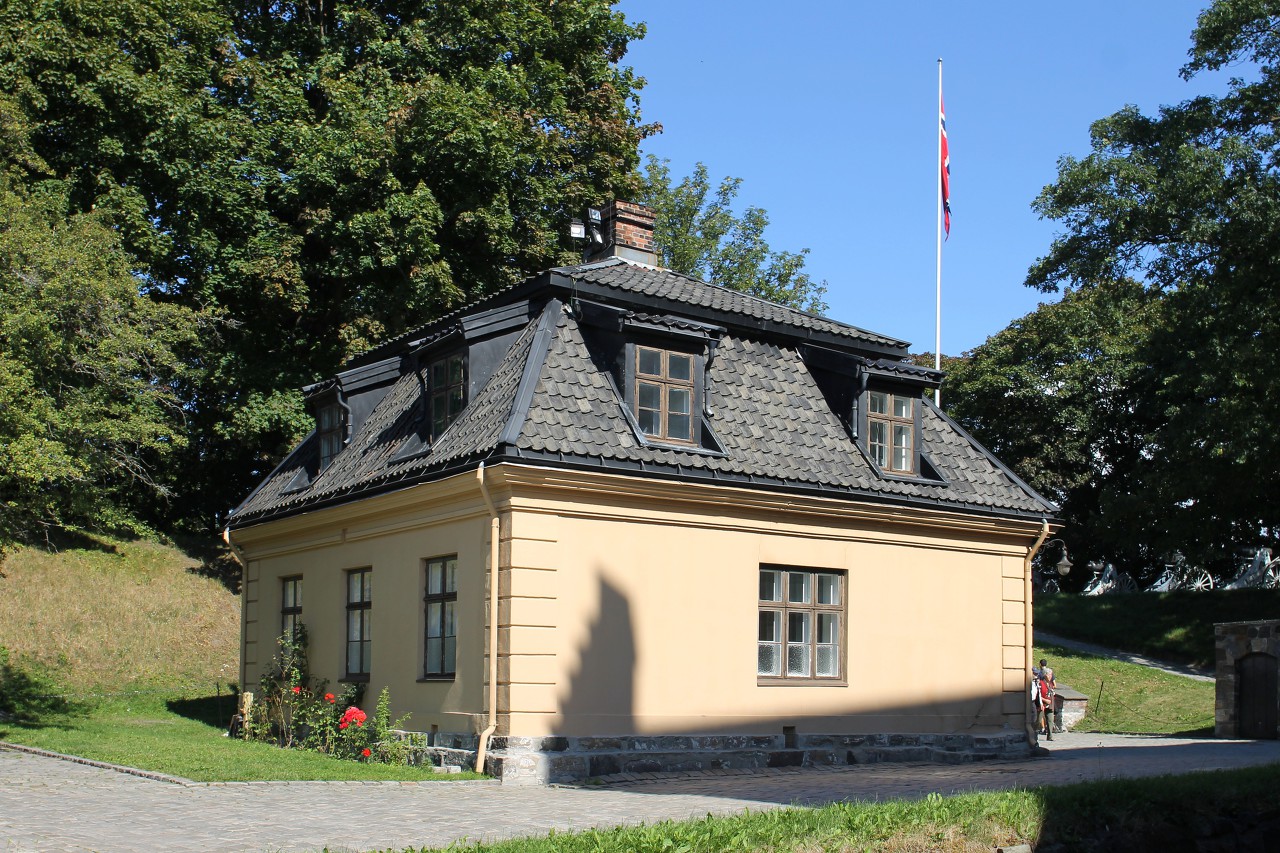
(1232, 641)
(551, 760)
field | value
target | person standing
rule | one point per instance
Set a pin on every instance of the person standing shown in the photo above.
(1048, 688)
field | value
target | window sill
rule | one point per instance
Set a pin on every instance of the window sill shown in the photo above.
(361, 678)
(432, 679)
(801, 682)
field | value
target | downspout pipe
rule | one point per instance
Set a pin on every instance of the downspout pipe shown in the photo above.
(494, 530)
(1029, 662)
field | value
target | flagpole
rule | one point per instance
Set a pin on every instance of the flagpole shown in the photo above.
(937, 327)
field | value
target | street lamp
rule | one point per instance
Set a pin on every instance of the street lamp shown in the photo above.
(1063, 566)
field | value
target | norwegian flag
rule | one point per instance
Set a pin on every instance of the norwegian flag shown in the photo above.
(946, 166)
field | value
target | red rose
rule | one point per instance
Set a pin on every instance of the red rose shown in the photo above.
(328, 697)
(297, 689)
(342, 725)
(367, 752)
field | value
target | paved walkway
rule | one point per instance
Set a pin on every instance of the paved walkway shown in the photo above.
(50, 804)
(1194, 673)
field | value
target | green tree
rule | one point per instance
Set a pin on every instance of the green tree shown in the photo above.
(88, 408)
(699, 235)
(1188, 202)
(324, 175)
(1052, 396)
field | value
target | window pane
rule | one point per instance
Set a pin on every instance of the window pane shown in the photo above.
(366, 656)
(435, 577)
(353, 587)
(798, 659)
(367, 587)
(798, 587)
(769, 659)
(878, 403)
(450, 654)
(797, 627)
(828, 589)
(455, 401)
(901, 436)
(455, 369)
(770, 585)
(328, 417)
(439, 375)
(680, 427)
(650, 395)
(450, 621)
(679, 367)
(828, 661)
(451, 575)
(439, 412)
(353, 657)
(828, 627)
(770, 626)
(650, 362)
(678, 401)
(435, 650)
(648, 420)
(901, 407)
(435, 620)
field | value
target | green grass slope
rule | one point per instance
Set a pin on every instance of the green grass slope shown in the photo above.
(1170, 626)
(114, 617)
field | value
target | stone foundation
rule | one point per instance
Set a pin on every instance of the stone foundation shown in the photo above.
(551, 760)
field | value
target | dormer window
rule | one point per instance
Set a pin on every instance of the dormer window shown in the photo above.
(329, 430)
(664, 394)
(448, 391)
(891, 429)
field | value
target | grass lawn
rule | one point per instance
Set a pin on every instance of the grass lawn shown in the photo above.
(1124, 697)
(177, 737)
(1172, 626)
(1224, 810)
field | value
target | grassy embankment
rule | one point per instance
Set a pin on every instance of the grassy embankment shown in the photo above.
(1169, 626)
(144, 648)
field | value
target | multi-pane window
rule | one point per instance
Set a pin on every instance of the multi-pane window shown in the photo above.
(891, 429)
(448, 391)
(664, 383)
(801, 611)
(359, 611)
(441, 611)
(290, 606)
(329, 429)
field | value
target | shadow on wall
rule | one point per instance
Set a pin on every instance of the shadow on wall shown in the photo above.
(602, 692)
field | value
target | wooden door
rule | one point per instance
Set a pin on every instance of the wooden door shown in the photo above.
(1256, 677)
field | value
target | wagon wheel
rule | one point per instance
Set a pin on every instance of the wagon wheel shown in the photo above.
(1203, 582)
(1125, 583)
(1050, 587)
(1271, 580)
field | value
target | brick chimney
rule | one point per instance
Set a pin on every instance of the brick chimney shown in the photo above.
(627, 231)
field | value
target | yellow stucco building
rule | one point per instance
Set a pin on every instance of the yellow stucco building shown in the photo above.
(619, 519)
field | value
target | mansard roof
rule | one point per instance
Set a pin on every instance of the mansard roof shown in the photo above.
(549, 400)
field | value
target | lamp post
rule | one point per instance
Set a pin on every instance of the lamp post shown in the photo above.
(1062, 567)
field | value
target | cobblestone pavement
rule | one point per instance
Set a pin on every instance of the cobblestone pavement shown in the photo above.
(49, 804)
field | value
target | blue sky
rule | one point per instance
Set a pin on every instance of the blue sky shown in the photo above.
(826, 110)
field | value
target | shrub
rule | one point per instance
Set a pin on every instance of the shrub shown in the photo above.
(293, 712)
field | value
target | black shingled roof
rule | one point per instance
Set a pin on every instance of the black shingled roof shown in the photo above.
(548, 402)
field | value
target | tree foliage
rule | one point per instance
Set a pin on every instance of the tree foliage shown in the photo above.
(324, 175)
(89, 413)
(1052, 395)
(698, 234)
(1187, 202)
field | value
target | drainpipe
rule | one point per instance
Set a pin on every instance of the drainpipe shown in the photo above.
(1029, 660)
(494, 530)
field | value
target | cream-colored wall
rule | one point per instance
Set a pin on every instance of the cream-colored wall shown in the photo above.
(394, 543)
(633, 613)
(629, 606)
